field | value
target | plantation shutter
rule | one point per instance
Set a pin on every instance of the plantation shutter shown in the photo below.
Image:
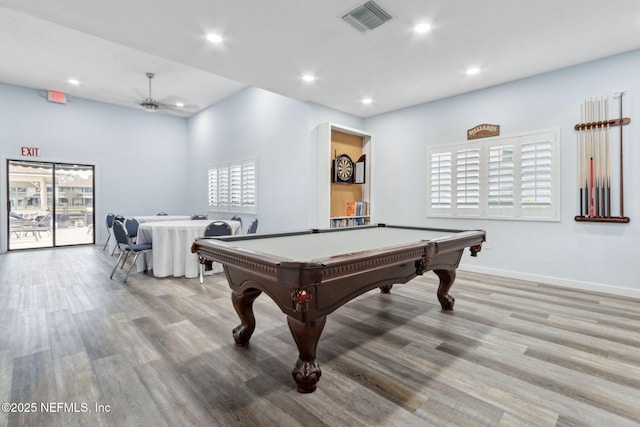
(223, 188)
(536, 171)
(249, 187)
(441, 173)
(213, 188)
(500, 178)
(468, 179)
(235, 187)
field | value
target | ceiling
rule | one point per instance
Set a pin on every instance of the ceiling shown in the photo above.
(109, 46)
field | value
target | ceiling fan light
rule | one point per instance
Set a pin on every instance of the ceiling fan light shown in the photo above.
(149, 104)
(179, 104)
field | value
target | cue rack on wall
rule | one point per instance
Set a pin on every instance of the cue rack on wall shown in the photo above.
(597, 169)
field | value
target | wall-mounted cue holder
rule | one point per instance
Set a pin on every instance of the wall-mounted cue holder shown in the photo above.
(596, 169)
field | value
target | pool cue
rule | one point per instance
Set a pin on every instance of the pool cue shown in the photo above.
(608, 173)
(596, 159)
(587, 159)
(601, 157)
(596, 152)
(587, 148)
(581, 165)
(621, 163)
(592, 196)
(600, 209)
(580, 172)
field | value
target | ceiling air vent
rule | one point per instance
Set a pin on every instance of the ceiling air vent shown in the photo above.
(367, 17)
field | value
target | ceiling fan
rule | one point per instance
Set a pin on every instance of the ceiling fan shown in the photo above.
(151, 104)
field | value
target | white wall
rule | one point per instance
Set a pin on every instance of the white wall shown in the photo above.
(281, 133)
(140, 158)
(582, 254)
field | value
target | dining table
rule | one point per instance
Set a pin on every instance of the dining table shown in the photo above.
(171, 254)
(148, 218)
(157, 218)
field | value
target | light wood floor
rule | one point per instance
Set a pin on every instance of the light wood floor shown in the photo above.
(157, 352)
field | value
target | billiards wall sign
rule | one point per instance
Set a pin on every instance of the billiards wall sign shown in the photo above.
(346, 171)
(483, 131)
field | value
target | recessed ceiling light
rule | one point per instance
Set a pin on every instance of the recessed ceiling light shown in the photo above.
(73, 82)
(367, 101)
(422, 28)
(214, 38)
(308, 78)
(179, 104)
(473, 70)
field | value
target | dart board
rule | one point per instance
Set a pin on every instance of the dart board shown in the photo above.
(343, 169)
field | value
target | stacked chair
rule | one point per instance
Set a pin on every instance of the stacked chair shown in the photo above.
(109, 221)
(127, 247)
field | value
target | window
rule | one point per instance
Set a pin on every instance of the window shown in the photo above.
(51, 204)
(513, 177)
(232, 187)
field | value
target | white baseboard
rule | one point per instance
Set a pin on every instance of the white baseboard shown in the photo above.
(565, 283)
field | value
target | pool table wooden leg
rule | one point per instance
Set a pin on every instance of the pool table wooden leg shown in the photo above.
(243, 303)
(386, 289)
(306, 371)
(446, 281)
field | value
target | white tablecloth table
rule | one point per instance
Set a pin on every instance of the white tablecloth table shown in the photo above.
(157, 218)
(148, 218)
(172, 240)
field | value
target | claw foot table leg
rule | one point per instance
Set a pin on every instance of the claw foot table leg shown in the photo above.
(446, 281)
(306, 371)
(243, 303)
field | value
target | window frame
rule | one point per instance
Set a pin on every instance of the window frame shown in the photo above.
(233, 187)
(543, 148)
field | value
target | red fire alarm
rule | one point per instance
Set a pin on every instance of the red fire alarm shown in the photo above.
(59, 97)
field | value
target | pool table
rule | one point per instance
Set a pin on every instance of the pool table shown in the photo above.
(309, 274)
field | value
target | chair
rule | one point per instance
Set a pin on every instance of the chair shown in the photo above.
(237, 218)
(162, 214)
(40, 223)
(117, 245)
(199, 216)
(127, 246)
(63, 220)
(132, 225)
(216, 228)
(253, 227)
(109, 221)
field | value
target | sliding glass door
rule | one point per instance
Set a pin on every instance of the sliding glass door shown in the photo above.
(50, 204)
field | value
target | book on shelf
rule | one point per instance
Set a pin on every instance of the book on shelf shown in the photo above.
(349, 222)
(357, 208)
(350, 210)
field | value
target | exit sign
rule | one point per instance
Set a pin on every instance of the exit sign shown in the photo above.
(30, 151)
(59, 97)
